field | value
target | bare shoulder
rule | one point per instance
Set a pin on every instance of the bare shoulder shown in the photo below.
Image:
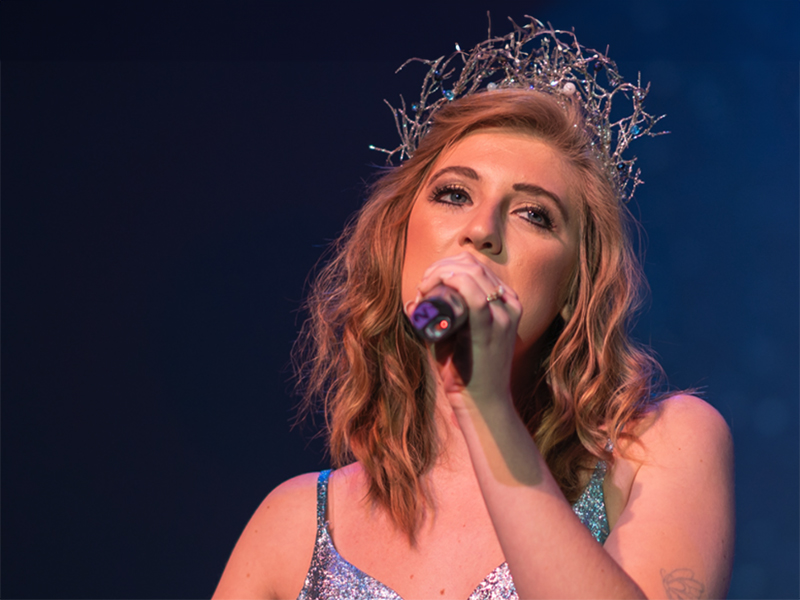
(290, 500)
(682, 433)
(273, 554)
(684, 427)
(676, 528)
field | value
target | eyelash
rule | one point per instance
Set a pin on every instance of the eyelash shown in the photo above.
(444, 190)
(546, 221)
(441, 192)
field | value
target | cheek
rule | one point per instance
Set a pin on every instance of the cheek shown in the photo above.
(429, 237)
(545, 290)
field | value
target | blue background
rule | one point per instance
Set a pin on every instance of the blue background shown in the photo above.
(172, 171)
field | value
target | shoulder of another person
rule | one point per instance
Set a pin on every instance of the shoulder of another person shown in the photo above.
(274, 552)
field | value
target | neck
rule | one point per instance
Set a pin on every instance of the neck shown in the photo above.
(453, 453)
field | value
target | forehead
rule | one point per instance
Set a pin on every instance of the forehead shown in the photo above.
(509, 153)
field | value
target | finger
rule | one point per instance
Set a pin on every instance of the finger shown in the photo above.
(484, 308)
(444, 270)
(479, 286)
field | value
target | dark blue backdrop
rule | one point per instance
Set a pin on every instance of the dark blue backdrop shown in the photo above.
(171, 173)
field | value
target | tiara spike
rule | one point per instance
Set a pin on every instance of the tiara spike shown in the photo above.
(559, 66)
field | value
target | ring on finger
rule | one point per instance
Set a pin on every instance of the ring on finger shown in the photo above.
(496, 295)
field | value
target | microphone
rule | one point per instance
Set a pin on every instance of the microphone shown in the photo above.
(440, 314)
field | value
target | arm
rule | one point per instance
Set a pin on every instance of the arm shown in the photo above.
(272, 555)
(676, 530)
(681, 505)
(673, 539)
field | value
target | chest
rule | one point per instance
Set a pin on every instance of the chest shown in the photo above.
(453, 553)
(456, 549)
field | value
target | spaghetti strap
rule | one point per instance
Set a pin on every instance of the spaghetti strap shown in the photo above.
(322, 497)
(591, 506)
(332, 577)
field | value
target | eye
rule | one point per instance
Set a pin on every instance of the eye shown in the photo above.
(536, 215)
(451, 194)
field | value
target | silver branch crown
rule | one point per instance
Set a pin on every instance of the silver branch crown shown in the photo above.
(559, 66)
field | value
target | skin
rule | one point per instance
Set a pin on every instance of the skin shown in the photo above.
(497, 211)
(668, 498)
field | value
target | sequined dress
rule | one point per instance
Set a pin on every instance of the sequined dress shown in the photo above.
(332, 577)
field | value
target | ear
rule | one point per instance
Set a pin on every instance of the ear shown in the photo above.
(566, 312)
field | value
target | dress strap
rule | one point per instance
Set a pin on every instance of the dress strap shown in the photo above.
(322, 497)
(591, 506)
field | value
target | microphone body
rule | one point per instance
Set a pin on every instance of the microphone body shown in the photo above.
(440, 314)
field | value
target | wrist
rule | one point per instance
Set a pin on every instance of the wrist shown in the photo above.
(488, 408)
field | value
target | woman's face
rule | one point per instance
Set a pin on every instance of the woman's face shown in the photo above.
(505, 197)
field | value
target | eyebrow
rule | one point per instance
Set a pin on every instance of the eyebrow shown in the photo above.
(536, 190)
(528, 188)
(465, 171)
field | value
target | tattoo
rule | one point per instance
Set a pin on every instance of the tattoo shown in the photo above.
(682, 584)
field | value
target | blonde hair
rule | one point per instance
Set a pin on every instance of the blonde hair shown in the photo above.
(358, 356)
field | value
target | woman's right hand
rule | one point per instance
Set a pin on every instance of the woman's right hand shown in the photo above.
(474, 365)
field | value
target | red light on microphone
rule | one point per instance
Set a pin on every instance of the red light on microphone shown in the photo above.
(439, 314)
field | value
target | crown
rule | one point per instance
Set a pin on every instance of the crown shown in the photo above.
(557, 65)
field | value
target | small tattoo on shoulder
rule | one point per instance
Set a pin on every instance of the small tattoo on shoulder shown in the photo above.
(681, 584)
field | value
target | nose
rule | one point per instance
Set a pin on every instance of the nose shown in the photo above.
(483, 231)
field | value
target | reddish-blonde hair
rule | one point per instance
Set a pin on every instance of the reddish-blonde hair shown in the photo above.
(358, 356)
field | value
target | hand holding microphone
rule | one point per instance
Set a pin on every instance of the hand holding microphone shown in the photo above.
(443, 309)
(468, 319)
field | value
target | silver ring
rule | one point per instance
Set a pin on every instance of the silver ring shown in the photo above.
(496, 295)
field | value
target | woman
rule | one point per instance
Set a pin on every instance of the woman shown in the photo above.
(492, 463)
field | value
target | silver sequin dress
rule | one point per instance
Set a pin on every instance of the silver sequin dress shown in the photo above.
(332, 577)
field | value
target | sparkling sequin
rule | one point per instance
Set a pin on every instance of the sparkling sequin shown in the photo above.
(591, 506)
(331, 576)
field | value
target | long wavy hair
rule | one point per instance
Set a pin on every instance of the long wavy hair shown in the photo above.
(358, 359)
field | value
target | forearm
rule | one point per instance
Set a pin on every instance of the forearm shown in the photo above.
(549, 552)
